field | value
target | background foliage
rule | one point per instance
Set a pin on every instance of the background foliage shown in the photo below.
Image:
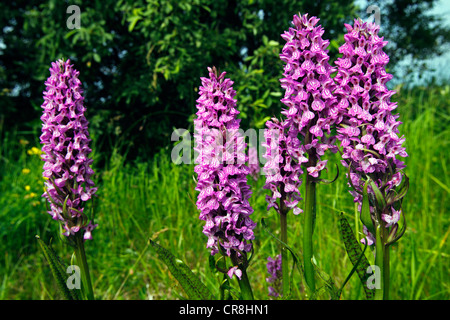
(140, 61)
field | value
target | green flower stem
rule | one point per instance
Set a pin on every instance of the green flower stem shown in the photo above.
(380, 263)
(386, 269)
(244, 285)
(83, 265)
(284, 253)
(382, 260)
(310, 214)
(221, 265)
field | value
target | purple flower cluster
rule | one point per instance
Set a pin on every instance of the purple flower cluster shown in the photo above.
(275, 279)
(368, 131)
(305, 135)
(65, 140)
(311, 109)
(221, 170)
(283, 168)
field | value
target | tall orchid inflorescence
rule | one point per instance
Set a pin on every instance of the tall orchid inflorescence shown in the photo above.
(283, 168)
(65, 140)
(310, 105)
(283, 171)
(369, 131)
(222, 173)
(305, 135)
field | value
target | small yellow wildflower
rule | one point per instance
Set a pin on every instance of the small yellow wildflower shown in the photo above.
(31, 195)
(27, 188)
(26, 171)
(34, 151)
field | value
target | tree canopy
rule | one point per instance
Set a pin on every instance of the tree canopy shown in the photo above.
(140, 61)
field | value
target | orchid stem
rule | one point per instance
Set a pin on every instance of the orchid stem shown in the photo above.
(380, 263)
(83, 265)
(244, 285)
(310, 214)
(284, 253)
(386, 269)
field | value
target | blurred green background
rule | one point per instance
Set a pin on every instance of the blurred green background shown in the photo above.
(140, 64)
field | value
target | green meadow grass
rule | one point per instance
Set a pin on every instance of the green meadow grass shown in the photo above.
(156, 200)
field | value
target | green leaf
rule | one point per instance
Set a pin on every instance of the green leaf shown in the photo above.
(395, 235)
(355, 254)
(58, 271)
(261, 122)
(133, 20)
(193, 287)
(276, 94)
(70, 33)
(381, 202)
(265, 40)
(403, 189)
(97, 58)
(365, 210)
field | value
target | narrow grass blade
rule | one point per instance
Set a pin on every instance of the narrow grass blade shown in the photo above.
(295, 258)
(193, 287)
(296, 262)
(355, 254)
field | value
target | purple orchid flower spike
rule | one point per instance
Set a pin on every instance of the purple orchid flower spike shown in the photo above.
(222, 174)
(283, 168)
(369, 132)
(65, 140)
(369, 136)
(305, 135)
(310, 105)
(67, 168)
